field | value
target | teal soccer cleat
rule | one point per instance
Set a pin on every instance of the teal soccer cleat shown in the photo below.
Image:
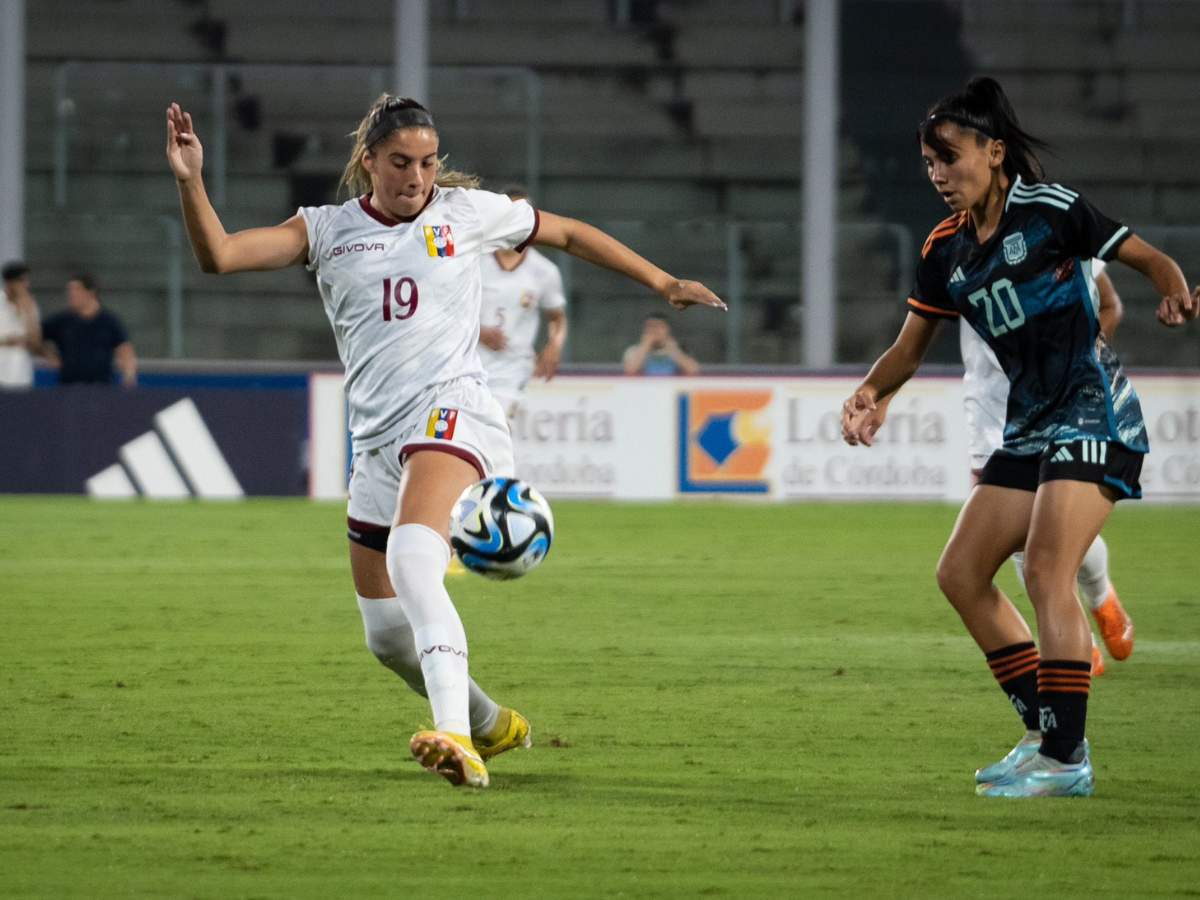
(1041, 776)
(1001, 771)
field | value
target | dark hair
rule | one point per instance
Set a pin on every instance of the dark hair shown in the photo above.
(14, 270)
(983, 107)
(515, 191)
(396, 113)
(87, 279)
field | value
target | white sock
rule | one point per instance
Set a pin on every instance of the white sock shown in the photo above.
(417, 558)
(390, 638)
(1018, 559)
(1093, 574)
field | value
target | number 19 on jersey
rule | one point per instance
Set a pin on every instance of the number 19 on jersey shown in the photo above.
(399, 302)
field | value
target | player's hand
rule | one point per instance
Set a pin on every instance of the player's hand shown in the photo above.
(871, 423)
(1176, 309)
(546, 364)
(493, 338)
(184, 152)
(682, 294)
(856, 413)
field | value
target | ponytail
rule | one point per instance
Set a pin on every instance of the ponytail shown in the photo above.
(386, 115)
(983, 107)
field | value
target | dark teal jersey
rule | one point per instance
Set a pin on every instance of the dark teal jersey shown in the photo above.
(1029, 292)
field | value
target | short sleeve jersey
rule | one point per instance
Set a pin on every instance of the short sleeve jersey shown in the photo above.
(85, 346)
(513, 301)
(1029, 293)
(403, 297)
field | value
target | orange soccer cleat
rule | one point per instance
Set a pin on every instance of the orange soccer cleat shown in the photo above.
(1097, 659)
(1115, 625)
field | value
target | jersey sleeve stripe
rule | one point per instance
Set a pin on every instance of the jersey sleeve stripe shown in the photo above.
(944, 229)
(537, 223)
(1122, 233)
(932, 310)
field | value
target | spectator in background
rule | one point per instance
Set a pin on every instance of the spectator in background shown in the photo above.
(19, 328)
(88, 338)
(658, 353)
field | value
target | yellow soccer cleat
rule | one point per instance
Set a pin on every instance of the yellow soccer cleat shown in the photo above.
(510, 731)
(450, 755)
(1115, 625)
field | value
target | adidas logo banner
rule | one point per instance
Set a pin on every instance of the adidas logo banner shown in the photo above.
(958, 277)
(178, 459)
(211, 442)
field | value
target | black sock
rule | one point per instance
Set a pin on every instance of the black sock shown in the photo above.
(1063, 686)
(1016, 668)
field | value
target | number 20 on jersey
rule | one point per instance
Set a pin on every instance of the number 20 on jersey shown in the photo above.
(400, 300)
(1002, 298)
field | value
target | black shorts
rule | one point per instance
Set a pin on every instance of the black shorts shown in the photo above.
(1099, 462)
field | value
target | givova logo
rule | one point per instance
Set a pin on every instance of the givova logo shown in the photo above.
(724, 442)
(177, 459)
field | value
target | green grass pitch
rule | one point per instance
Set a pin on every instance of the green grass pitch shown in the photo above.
(727, 700)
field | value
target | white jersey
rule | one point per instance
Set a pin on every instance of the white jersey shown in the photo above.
(514, 301)
(16, 365)
(403, 297)
(985, 391)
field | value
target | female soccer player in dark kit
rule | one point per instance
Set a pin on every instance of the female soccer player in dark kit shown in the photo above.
(397, 268)
(1015, 262)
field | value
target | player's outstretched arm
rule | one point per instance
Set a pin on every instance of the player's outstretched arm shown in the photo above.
(861, 415)
(1178, 305)
(256, 249)
(592, 244)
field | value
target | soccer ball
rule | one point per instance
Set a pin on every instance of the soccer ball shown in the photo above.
(501, 528)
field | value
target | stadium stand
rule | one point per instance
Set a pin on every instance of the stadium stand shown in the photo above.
(686, 119)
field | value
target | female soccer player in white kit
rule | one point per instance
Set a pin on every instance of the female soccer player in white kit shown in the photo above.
(398, 271)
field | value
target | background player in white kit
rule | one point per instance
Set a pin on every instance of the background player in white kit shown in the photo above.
(985, 400)
(398, 272)
(520, 288)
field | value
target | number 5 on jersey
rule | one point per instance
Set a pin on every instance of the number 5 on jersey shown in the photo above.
(403, 298)
(1002, 296)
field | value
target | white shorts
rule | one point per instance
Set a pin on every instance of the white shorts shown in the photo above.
(509, 400)
(462, 419)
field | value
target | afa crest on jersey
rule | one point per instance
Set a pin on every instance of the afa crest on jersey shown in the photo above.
(441, 423)
(438, 240)
(1014, 249)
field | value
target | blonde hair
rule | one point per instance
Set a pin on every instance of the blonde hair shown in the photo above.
(356, 177)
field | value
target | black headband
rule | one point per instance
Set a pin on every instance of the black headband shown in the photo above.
(395, 119)
(962, 121)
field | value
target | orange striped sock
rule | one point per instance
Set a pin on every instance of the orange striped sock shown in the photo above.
(1063, 688)
(1016, 667)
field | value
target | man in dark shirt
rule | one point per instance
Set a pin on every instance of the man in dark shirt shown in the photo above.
(88, 338)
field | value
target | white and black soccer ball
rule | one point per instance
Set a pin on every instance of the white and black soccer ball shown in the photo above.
(501, 528)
